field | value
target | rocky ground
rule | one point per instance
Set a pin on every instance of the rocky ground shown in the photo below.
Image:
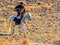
(44, 29)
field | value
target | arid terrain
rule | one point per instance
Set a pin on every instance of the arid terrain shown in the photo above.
(44, 29)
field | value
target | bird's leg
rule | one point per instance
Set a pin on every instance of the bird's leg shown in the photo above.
(23, 28)
(12, 28)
